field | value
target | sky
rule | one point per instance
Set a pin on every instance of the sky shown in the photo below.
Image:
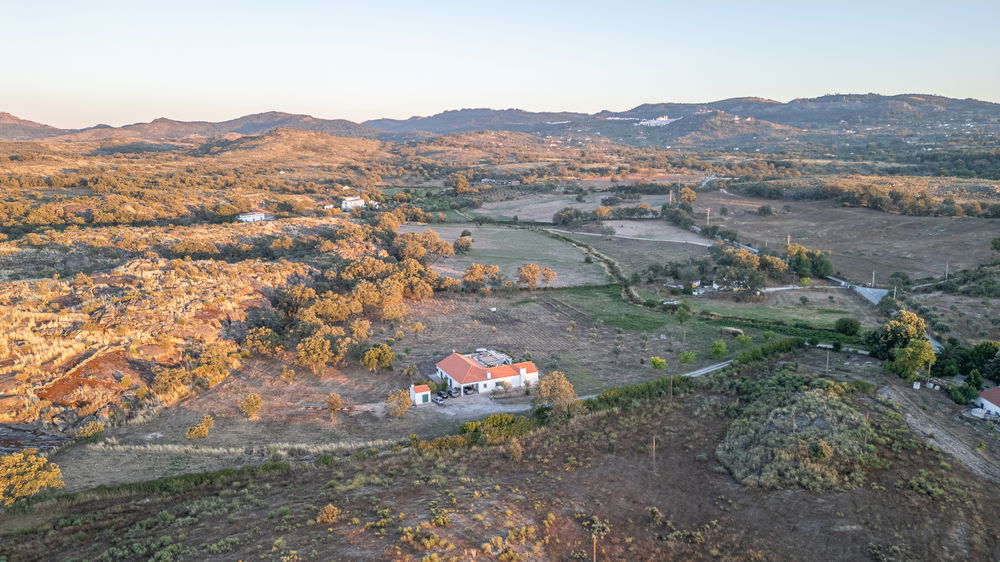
(74, 64)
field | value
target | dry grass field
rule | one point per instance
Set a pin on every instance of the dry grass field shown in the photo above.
(860, 240)
(541, 207)
(970, 318)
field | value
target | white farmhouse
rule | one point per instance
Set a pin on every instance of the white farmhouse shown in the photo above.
(352, 202)
(482, 371)
(989, 400)
(255, 216)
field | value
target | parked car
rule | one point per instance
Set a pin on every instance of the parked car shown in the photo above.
(442, 394)
(468, 390)
(454, 393)
(438, 400)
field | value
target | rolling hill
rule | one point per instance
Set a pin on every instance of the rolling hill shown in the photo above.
(15, 128)
(716, 124)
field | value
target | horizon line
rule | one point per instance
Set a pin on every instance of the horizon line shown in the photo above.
(414, 116)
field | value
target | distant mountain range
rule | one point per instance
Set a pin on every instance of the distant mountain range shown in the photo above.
(736, 120)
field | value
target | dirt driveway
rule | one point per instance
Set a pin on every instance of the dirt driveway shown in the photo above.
(472, 407)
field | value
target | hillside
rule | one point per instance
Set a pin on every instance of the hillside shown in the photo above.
(777, 464)
(15, 128)
(163, 128)
(827, 118)
(456, 121)
(289, 145)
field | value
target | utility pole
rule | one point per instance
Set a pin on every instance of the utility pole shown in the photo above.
(708, 219)
(788, 240)
(946, 264)
(873, 279)
(670, 197)
(654, 454)
(893, 292)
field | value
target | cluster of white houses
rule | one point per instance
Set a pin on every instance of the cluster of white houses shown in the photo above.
(481, 371)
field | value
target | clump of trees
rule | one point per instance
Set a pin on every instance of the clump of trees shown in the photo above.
(895, 333)
(530, 274)
(379, 356)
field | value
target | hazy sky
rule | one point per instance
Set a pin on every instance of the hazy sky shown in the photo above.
(75, 64)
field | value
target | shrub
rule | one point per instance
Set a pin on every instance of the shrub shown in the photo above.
(91, 429)
(200, 430)
(847, 326)
(514, 450)
(251, 406)
(328, 515)
(24, 474)
(811, 439)
(334, 403)
(719, 349)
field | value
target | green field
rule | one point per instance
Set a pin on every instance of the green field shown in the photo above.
(819, 311)
(635, 256)
(604, 305)
(510, 248)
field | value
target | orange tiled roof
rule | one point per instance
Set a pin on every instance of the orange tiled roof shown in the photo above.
(417, 389)
(466, 370)
(992, 395)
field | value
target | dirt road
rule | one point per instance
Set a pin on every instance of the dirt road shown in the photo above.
(940, 436)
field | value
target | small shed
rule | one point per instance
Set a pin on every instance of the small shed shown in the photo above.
(989, 400)
(420, 394)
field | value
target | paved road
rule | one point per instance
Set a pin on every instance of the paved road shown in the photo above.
(794, 287)
(696, 373)
(871, 295)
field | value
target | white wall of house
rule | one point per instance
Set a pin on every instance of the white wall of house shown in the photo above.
(987, 405)
(515, 381)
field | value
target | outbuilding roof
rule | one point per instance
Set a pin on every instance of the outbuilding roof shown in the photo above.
(418, 388)
(466, 370)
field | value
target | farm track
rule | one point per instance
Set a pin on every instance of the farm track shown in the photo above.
(938, 435)
(705, 244)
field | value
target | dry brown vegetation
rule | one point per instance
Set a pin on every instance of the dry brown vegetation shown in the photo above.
(448, 499)
(75, 349)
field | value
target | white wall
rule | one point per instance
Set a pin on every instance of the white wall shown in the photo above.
(988, 406)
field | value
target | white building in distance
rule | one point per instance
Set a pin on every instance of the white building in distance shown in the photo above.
(255, 216)
(352, 202)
